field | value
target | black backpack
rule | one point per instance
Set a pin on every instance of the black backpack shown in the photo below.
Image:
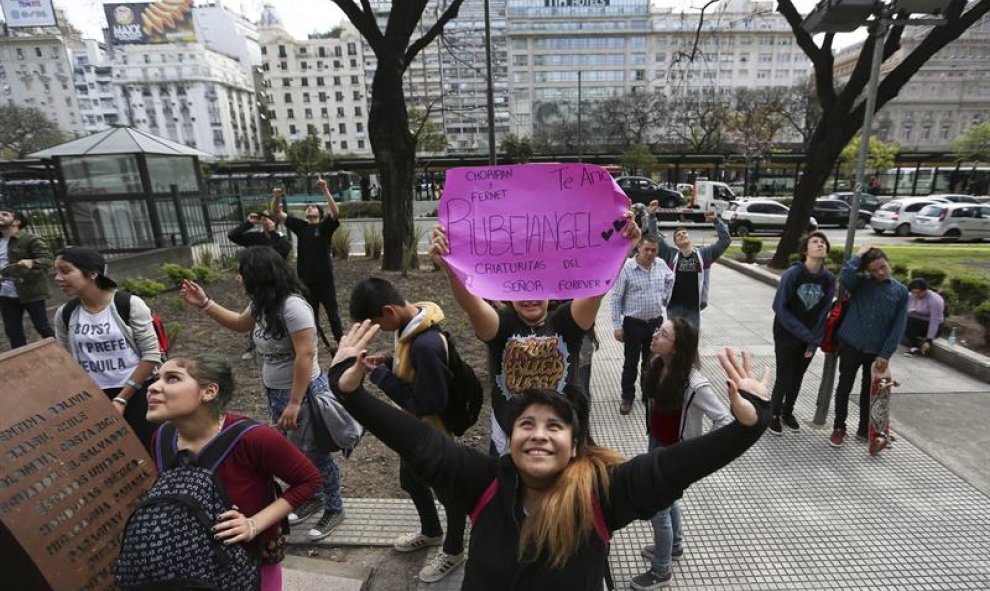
(466, 393)
(168, 541)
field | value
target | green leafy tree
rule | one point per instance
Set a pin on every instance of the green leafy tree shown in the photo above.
(392, 139)
(881, 157)
(517, 149)
(638, 159)
(308, 156)
(429, 136)
(24, 130)
(974, 144)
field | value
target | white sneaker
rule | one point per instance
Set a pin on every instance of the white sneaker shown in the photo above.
(441, 566)
(414, 541)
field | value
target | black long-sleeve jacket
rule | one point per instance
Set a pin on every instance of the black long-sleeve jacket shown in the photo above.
(246, 235)
(637, 489)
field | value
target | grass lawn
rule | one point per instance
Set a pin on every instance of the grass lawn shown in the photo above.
(954, 259)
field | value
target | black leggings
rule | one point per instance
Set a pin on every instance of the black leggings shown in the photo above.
(422, 498)
(791, 367)
(324, 293)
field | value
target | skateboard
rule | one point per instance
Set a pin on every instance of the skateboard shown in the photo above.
(879, 429)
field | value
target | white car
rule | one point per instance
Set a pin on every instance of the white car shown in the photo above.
(957, 198)
(953, 220)
(897, 215)
(758, 215)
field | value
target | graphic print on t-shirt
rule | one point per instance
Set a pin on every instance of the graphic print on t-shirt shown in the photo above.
(532, 362)
(102, 349)
(810, 294)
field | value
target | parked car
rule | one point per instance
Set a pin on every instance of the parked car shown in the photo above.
(867, 202)
(966, 221)
(836, 212)
(956, 198)
(758, 215)
(897, 215)
(640, 189)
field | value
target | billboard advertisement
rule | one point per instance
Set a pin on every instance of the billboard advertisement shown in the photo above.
(165, 21)
(28, 13)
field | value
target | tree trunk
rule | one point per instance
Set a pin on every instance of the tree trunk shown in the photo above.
(395, 154)
(823, 150)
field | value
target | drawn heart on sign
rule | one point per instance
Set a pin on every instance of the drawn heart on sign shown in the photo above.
(607, 234)
(619, 224)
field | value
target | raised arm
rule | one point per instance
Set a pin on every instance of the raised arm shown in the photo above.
(483, 318)
(275, 206)
(652, 481)
(712, 252)
(332, 210)
(194, 295)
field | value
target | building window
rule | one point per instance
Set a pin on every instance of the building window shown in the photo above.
(339, 96)
(326, 128)
(340, 112)
(357, 95)
(342, 128)
(328, 145)
(309, 113)
(337, 52)
(290, 114)
(906, 132)
(305, 97)
(336, 80)
(360, 144)
(305, 81)
(319, 81)
(288, 98)
(20, 54)
(360, 127)
(351, 48)
(354, 79)
(324, 113)
(303, 65)
(322, 52)
(357, 112)
(281, 51)
(283, 66)
(353, 63)
(37, 51)
(286, 82)
(264, 50)
(323, 97)
(292, 130)
(343, 145)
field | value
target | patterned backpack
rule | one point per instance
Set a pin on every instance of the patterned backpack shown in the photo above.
(168, 542)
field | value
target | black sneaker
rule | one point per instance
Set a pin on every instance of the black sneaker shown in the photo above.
(791, 423)
(651, 580)
(326, 524)
(775, 427)
(306, 510)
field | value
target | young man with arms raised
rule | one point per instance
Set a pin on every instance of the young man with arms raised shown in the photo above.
(690, 266)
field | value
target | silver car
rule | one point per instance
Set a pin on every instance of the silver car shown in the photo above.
(954, 220)
(897, 215)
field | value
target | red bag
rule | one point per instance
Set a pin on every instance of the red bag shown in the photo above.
(830, 342)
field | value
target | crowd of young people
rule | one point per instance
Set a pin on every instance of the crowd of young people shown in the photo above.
(545, 499)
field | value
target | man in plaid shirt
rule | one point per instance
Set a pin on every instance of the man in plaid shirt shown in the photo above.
(639, 297)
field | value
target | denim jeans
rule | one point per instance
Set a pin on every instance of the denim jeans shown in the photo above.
(278, 399)
(667, 533)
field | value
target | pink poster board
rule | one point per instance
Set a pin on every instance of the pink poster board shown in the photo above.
(534, 231)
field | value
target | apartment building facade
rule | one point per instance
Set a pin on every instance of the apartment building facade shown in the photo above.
(316, 84)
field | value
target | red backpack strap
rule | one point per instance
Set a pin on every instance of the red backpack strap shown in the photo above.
(600, 526)
(486, 497)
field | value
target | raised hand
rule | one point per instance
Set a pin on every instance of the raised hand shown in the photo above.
(631, 231)
(439, 246)
(192, 294)
(354, 344)
(740, 377)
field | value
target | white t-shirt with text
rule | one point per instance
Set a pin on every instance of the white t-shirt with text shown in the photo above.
(102, 349)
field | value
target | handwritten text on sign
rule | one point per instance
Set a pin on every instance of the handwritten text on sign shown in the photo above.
(534, 231)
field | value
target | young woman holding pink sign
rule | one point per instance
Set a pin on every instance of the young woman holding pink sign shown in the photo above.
(528, 346)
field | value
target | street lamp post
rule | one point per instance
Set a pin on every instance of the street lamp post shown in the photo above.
(490, 87)
(832, 16)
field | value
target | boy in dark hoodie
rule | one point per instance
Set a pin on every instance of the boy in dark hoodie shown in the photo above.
(801, 305)
(417, 377)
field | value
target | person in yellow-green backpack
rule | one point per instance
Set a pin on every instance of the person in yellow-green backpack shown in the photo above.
(418, 378)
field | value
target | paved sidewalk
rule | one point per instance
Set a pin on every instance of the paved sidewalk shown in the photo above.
(792, 513)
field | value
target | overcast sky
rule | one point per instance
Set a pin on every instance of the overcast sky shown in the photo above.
(302, 17)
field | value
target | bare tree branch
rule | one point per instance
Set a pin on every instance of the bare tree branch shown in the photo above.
(448, 14)
(364, 19)
(821, 58)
